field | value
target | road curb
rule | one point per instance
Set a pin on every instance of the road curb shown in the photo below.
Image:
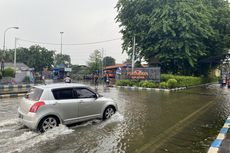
(11, 95)
(150, 89)
(2, 87)
(216, 144)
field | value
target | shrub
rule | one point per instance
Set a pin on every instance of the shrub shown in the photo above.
(0, 75)
(172, 83)
(124, 83)
(163, 85)
(26, 79)
(182, 81)
(210, 79)
(147, 84)
(8, 72)
(166, 77)
(188, 81)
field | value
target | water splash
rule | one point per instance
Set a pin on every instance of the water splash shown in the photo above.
(9, 122)
(29, 139)
(5, 130)
(116, 118)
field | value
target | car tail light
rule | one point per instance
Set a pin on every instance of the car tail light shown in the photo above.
(34, 108)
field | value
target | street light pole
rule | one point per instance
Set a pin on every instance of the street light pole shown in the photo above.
(15, 54)
(61, 41)
(4, 46)
(4, 40)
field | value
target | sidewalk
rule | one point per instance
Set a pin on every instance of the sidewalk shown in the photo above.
(222, 143)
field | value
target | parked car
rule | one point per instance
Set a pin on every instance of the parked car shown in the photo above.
(47, 106)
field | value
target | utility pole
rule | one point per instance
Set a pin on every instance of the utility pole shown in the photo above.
(134, 39)
(15, 54)
(102, 65)
(4, 46)
(61, 41)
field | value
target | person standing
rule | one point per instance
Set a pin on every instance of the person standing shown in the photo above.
(223, 80)
(107, 80)
(67, 79)
(96, 80)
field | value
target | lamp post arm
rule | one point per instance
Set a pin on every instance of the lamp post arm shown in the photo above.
(4, 40)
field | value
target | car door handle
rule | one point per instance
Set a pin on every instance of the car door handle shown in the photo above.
(81, 101)
(55, 103)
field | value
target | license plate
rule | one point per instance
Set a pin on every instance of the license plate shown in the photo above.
(20, 116)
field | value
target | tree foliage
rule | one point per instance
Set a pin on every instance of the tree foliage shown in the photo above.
(95, 62)
(62, 59)
(108, 61)
(79, 71)
(187, 37)
(35, 57)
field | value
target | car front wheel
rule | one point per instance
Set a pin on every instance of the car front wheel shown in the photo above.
(109, 111)
(48, 123)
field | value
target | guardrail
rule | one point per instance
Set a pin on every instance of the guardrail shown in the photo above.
(12, 95)
(2, 87)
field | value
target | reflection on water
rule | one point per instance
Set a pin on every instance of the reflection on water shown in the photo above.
(147, 121)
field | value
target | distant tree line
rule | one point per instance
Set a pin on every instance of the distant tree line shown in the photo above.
(36, 57)
(189, 37)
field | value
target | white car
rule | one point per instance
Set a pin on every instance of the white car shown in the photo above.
(47, 106)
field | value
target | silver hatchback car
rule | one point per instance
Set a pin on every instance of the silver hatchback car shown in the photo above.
(47, 106)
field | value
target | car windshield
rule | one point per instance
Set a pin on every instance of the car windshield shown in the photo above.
(34, 94)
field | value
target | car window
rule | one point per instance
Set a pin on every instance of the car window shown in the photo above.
(61, 94)
(34, 94)
(84, 93)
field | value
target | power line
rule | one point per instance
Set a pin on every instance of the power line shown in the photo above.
(73, 44)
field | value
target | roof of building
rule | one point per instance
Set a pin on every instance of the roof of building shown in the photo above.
(20, 66)
(115, 66)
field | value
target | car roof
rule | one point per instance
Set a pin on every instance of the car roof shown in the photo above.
(59, 85)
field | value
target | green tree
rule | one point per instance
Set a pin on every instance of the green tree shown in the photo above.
(35, 56)
(178, 34)
(108, 61)
(95, 62)
(78, 71)
(218, 45)
(9, 72)
(40, 58)
(62, 59)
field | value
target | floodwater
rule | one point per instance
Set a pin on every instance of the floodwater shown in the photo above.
(147, 121)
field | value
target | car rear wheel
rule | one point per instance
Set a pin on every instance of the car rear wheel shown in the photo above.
(48, 123)
(109, 111)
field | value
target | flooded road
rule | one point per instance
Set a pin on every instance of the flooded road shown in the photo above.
(148, 121)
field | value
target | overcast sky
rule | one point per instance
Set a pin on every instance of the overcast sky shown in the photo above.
(82, 21)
